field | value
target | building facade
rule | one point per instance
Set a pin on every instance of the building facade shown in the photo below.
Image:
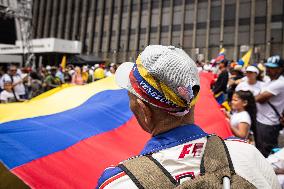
(119, 29)
(8, 24)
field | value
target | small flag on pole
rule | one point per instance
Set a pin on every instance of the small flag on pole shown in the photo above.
(221, 55)
(244, 61)
(63, 62)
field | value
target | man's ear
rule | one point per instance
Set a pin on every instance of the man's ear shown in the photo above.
(145, 112)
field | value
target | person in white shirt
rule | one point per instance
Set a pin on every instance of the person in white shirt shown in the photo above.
(277, 162)
(17, 79)
(244, 116)
(252, 83)
(271, 106)
(7, 95)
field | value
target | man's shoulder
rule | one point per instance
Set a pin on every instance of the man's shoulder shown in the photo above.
(109, 175)
(242, 148)
(276, 86)
(277, 83)
(250, 164)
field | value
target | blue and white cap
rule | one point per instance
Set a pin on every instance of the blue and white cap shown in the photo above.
(274, 62)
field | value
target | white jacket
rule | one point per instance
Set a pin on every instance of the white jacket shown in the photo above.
(180, 151)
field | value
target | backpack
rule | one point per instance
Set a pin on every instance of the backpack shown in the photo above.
(216, 171)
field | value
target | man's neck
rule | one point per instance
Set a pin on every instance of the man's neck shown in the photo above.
(171, 122)
(275, 78)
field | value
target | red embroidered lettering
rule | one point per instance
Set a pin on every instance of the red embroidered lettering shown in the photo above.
(185, 150)
(197, 149)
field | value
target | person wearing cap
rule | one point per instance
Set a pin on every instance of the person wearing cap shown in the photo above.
(163, 86)
(252, 82)
(271, 106)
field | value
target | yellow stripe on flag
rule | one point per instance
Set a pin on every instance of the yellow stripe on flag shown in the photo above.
(50, 92)
(54, 102)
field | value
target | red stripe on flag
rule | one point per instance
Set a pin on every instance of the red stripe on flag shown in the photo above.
(207, 111)
(80, 165)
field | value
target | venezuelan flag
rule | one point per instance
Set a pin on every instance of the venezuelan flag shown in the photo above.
(67, 138)
(244, 61)
(221, 55)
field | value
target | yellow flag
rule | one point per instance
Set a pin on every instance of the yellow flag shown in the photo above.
(246, 58)
(63, 62)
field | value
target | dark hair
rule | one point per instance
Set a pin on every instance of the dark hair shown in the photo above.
(225, 62)
(250, 107)
(34, 75)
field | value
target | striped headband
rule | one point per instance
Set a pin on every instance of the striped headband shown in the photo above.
(158, 93)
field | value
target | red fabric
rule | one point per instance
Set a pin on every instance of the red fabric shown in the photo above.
(207, 111)
(80, 165)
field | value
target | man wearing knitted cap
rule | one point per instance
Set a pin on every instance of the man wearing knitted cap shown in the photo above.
(163, 87)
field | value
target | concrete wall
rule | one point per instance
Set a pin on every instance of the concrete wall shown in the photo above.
(120, 29)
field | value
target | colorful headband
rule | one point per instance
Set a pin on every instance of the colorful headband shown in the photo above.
(158, 93)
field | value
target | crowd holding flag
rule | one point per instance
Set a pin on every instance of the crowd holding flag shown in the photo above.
(85, 129)
(71, 142)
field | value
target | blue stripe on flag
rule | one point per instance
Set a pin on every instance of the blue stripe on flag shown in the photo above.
(24, 140)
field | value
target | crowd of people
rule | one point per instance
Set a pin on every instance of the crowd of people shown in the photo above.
(255, 95)
(20, 84)
(163, 86)
(252, 96)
